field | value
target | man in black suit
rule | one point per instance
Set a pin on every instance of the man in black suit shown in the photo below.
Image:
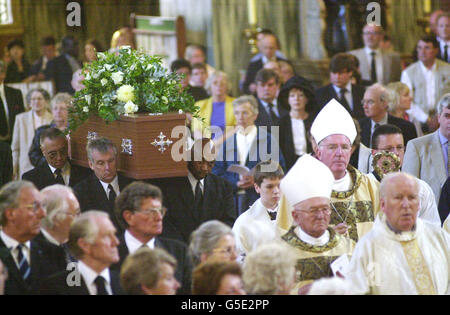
(11, 104)
(268, 46)
(443, 32)
(341, 88)
(140, 212)
(62, 208)
(6, 167)
(99, 190)
(93, 242)
(267, 87)
(27, 262)
(184, 68)
(48, 50)
(376, 100)
(444, 201)
(199, 197)
(56, 167)
(61, 68)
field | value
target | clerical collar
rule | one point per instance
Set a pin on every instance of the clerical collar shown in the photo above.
(320, 241)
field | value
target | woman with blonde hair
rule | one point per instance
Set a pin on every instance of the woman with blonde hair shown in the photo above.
(400, 102)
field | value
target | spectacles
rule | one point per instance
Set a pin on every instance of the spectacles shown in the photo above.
(316, 211)
(35, 206)
(228, 251)
(334, 147)
(153, 212)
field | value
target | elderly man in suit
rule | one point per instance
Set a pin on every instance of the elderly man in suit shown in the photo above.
(246, 148)
(93, 242)
(376, 64)
(27, 262)
(341, 88)
(199, 197)
(11, 104)
(427, 157)
(267, 87)
(140, 212)
(428, 79)
(443, 32)
(376, 100)
(99, 190)
(56, 167)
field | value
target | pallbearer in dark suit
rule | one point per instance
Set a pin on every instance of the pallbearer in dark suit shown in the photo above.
(11, 104)
(56, 168)
(99, 190)
(27, 262)
(6, 166)
(93, 242)
(140, 212)
(341, 88)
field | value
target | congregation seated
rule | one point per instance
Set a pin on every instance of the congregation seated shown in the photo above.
(199, 75)
(48, 51)
(19, 69)
(183, 68)
(443, 36)
(196, 54)
(25, 127)
(217, 278)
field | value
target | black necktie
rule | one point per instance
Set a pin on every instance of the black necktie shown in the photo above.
(24, 267)
(343, 100)
(112, 196)
(446, 53)
(373, 70)
(198, 199)
(100, 284)
(273, 116)
(3, 120)
(59, 179)
(272, 215)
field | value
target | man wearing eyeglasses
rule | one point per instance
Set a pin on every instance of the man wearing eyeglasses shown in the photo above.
(56, 168)
(140, 212)
(389, 138)
(27, 262)
(307, 187)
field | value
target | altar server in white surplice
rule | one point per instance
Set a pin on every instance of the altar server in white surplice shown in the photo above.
(257, 225)
(402, 254)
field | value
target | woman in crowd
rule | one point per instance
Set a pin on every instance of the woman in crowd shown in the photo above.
(122, 37)
(294, 127)
(18, 69)
(212, 241)
(91, 48)
(25, 127)
(216, 110)
(270, 270)
(149, 272)
(400, 102)
(217, 278)
(60, 109)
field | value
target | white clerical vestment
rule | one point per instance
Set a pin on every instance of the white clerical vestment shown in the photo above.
(416, 262)
(253, 228)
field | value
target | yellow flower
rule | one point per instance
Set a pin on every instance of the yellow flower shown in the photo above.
(125, 93)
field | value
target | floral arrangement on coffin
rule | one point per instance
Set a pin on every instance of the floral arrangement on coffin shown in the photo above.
(126, 83)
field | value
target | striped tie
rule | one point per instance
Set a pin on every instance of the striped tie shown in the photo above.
(24, 267)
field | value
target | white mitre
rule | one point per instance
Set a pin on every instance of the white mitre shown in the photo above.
(308, 178)
(333, 119)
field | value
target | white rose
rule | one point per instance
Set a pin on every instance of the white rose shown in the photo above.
(165, 100)
(103, 81)
(117, 77)
(173, 82)
(85, 109)
(130, 107)
(101, 56)
(108, 67)
(88, 99)
(125, 93)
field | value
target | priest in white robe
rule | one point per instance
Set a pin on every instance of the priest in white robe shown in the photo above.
(308, 187)
(402, 254)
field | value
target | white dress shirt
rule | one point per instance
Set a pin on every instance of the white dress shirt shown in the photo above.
(193, 181)
(5, 105)
(65, 173)
(50, 238)
(244, 142)
(378, 62)
(348, 94)
(383, 121)
(320, 241)
(12, 245)
(430, 79)
(299, 136)
(274, 108)
(90, 275)
(133, 244)
(114, 184)
(442, 45)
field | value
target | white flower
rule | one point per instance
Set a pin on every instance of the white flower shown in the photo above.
(85, 109)
(173, 82)
(103, 81)
(101, 56)
(180, 111)
(88, 99)
(88, 77)
(150, 66)
(130, 107)
(117, 77)
(165, 100)
(108, 67)
(125, 93)
(133, 66)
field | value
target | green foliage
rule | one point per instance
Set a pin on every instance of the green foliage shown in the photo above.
(125, 83)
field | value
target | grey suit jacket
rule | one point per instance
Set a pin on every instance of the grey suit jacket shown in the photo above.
(392, 66)
(425, 160)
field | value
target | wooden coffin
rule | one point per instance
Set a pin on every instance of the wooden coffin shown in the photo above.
(144, 144)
